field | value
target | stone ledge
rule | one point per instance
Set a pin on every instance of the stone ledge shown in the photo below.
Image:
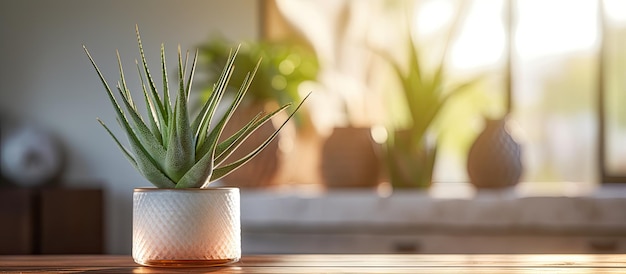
(569, 209)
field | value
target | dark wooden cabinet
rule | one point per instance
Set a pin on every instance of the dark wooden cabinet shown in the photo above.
(17, 208)
(51, 221)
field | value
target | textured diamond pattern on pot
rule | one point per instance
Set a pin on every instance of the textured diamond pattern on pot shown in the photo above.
(198, 224)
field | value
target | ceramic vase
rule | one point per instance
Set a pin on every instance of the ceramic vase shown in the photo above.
(350, 159)
(186, 227)
(494, 160)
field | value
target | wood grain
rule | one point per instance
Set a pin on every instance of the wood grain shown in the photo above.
(508, 263)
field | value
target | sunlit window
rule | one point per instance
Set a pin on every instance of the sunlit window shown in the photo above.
(539, 63)
(554, 72)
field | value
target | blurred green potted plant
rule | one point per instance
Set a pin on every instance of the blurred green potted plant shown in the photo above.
(181, 156)
(411, 151)
(285, 66)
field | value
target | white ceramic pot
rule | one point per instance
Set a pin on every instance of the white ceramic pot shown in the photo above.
(186, 227)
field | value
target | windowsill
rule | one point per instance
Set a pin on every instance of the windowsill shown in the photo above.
(537, 208)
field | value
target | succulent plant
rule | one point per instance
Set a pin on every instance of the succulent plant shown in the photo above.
(411, 155)
(168, 148)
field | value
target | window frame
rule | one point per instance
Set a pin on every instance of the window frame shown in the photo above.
(605, 176)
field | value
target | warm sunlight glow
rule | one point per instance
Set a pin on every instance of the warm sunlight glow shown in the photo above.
(615, 10)
(556, 27)
(431, 16)
(384, 190)
(482, 38)
(379, 134)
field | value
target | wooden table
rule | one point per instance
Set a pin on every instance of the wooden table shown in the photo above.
(552, 263)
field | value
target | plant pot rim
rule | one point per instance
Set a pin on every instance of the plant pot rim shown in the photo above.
(212, 189)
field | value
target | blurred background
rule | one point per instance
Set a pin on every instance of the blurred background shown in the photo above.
(434, 126)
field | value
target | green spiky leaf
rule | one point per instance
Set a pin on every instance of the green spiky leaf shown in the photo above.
(222, 171)
(169, 149)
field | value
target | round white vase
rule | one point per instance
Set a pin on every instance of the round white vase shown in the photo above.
(186, 227)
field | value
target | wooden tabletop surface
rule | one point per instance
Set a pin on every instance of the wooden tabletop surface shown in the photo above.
(552, 263)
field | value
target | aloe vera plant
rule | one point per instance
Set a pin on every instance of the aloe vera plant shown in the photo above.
(411, 155)
(169, 148)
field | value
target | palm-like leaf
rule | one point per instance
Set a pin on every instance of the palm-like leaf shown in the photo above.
(168, 148)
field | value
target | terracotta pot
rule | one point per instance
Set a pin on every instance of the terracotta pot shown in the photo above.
(186, 227)
(350, 159)
(494, 160)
